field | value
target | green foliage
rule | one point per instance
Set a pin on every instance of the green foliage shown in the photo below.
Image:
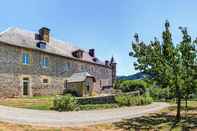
(127, 100)
(174, 66)
(133, 85)
(158, 93)
(117, 84)
(65, 103)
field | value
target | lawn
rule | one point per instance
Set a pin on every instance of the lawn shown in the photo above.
(41, 102)
(46, 103)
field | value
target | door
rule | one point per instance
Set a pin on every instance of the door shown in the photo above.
(25, 86)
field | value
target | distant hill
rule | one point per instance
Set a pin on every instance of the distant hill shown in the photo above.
(137, 76)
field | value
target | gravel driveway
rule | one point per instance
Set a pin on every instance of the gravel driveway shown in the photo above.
(69, 119)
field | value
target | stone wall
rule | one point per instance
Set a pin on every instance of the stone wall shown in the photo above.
(12, 71)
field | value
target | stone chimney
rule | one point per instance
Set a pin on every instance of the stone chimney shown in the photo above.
(92, 52)
(44, 34)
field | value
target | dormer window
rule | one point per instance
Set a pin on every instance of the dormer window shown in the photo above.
(78, 53)
(41, 45)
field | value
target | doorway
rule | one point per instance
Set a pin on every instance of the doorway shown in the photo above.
(26, 84)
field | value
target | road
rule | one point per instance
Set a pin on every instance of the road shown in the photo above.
(75, 118)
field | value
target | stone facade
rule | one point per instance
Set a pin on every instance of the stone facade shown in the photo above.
(81, 88)
(41, 80)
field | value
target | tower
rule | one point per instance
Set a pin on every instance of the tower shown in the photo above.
(113, 66)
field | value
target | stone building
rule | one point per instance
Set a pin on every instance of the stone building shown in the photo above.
(36, 64)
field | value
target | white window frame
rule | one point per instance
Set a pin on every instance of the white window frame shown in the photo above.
(45, 62)
(26, 58)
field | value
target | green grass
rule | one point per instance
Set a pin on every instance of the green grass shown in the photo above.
(40, 103)
(46, 103)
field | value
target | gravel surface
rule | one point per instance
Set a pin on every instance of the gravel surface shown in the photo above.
(76, 118)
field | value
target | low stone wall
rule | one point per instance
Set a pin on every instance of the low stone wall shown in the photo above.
(97, 100)
(103, 99)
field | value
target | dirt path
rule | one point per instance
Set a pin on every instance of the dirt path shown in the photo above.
(69, 119)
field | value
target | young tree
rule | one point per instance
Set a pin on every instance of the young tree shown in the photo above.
(166, 61)
(187, 49)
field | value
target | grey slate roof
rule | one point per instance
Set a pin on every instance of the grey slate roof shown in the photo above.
(79, 77)
(23, 38)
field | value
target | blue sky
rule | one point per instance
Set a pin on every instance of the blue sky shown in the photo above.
(106, 25)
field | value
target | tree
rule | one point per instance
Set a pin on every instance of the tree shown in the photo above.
(187, 49)
(167, 61)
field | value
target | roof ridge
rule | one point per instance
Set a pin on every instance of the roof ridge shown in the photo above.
(25, 38)
(6, 30)
(51, 37)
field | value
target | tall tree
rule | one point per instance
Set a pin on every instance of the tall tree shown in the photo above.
(187, 49)
(167, 61)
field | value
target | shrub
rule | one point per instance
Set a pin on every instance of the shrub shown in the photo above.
(126, 100)
(133, 85)
(159, 93)
(117, 84)
(122, 100)
(65, 103)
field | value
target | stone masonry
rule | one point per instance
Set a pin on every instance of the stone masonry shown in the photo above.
(13, 71)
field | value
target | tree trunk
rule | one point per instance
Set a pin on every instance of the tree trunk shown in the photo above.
(178, 114)
(186, 100)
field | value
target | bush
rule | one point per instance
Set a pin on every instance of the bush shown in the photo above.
(117, 84)
(133, 85)
(65, 103)
(158, 93)
(126, 100)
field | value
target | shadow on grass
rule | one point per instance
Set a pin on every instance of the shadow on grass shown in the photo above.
(157, 122)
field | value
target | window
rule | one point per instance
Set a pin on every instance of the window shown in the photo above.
(45, 81)
(82, 68)
(66, 66)
(26, 58)
(45, 61)
(92, 69)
